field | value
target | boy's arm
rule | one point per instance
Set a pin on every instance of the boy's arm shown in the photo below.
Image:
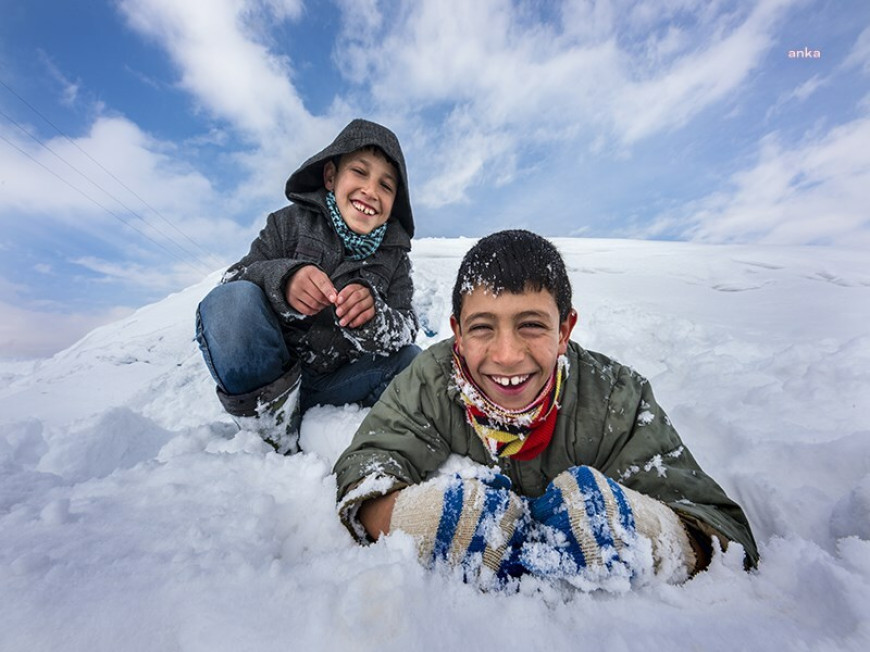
(394, 324)
(267, 263)
(648, 456)
(398, 444)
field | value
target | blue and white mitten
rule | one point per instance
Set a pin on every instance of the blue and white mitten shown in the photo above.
(469, 523)
(591, 526)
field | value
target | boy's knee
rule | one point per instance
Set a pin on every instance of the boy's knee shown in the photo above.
(405, 356)
(237, 310)
(231, 298)
(240, 337)
(391, 368)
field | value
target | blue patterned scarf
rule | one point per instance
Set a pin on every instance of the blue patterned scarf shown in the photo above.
(358, 247)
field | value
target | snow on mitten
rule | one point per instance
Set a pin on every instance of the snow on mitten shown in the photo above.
(597, 527)
(473, 524)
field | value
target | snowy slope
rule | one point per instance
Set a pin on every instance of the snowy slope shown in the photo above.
(133, 516)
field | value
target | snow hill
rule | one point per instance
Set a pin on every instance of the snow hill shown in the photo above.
(133, 515)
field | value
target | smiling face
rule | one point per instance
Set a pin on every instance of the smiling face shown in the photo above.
(365, 185)
(511, 342)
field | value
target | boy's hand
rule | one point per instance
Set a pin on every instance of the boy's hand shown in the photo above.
(355, 306)
(474, 524)
(309, 291)
(597, 524)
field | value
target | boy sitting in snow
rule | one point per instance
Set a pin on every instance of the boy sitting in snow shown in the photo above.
(319, 311)
(583, 476)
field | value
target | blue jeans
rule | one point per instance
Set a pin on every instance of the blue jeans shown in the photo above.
(241, 341)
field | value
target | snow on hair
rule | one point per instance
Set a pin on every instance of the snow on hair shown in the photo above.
(514, 261)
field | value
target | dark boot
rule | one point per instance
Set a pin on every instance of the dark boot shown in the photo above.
(271, 411)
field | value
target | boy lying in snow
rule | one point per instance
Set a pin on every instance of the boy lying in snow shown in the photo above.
(587, 481)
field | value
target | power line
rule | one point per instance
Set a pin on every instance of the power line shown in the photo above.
(98, 204)
(99, 187)
(209, 255)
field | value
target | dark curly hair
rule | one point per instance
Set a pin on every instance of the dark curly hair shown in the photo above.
(514, 261)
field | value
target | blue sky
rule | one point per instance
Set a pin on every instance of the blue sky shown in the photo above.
(143, 142)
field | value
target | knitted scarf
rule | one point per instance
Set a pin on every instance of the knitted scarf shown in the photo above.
(357, 246)
(522, 434)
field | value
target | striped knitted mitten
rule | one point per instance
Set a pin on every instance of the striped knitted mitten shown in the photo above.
(591, 526)
(473, 524)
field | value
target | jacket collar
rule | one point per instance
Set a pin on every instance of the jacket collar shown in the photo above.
(396, 236)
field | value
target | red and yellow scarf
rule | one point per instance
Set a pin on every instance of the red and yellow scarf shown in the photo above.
(522, 434)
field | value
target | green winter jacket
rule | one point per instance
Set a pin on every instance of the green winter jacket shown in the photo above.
(608, 420)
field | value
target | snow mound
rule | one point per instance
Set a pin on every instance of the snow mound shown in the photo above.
(135, 516)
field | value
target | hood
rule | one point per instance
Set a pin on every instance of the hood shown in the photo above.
(359, 133)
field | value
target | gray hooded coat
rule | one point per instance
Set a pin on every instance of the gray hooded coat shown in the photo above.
(302, 234)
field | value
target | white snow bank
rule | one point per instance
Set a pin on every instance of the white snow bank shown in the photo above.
(133, 516)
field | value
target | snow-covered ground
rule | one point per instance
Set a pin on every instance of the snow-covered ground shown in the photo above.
(133, 516)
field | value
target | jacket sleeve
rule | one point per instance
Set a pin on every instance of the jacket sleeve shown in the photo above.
(397, 444)
(267, 263)
(646, 454)
(395, 323)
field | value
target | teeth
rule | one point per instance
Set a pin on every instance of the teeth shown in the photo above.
(363, 209)
(507, 381)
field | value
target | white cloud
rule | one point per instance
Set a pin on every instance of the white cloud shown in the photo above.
(29, 333)
(859, 57)
(160, 280)
(813, 192)
(69, 89)
(803, 92)
(229, 64)
(61, 176)
(224, 60)
(698, 78)
(501, 73)
(120, 187)
(484, 95)
(491, 77)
